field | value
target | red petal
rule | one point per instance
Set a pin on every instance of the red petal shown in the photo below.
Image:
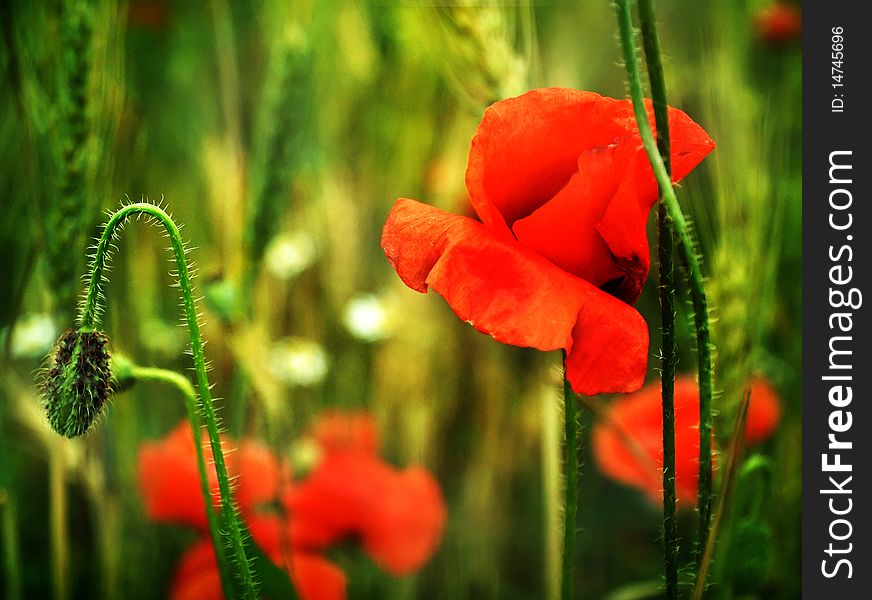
(338, 431)
(405, 530)
(258, 475)
(197, 576)
(317, 578)
(336, 500)
(314, 577)
(778, 23)
(170, 481)
(518, 297)
(639, 417)
(764, 412)
(527, 148)
(594, 227)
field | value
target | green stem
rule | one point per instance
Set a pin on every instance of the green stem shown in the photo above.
(60, 546)
(570, 508)
(728, 486)
(668, 358)
(184, 387)
(89, 318)
(11, 548)
(688, 256)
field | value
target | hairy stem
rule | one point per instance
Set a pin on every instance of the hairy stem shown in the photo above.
(668, 357)
(571, 490)
(89, 318)
(727, 488)
(185, 388)
(690, 261)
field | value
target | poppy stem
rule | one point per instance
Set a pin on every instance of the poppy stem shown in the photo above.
(668, 357)
(184, 387)
(570, 509)
(10, 545)
(89, 318)
(727, 489)
(690, 260)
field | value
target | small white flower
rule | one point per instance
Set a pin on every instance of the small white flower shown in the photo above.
(368, 318)
(297, 361)
(33, 336)
(288, 255)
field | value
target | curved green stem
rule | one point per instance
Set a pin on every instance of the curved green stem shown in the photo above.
(571, 492)
(89, 318)
(184, 387)
(688, 256)
(669, 357)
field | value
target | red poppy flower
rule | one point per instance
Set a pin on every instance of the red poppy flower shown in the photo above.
(315, 578)
(764, 412)
(563, 188)
(778, 23)
(336, 431)
(397, 515)
(639, 417)
(170, 481)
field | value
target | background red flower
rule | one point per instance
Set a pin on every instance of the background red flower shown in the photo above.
(638, 417)
(170, 481)
(778, 23)
(397, 515)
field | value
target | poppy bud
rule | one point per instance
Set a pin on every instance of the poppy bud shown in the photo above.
(77, 382)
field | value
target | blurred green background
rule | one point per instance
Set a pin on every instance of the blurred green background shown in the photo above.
(314, 116)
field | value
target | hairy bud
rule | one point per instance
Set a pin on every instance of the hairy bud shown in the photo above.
(77, 382)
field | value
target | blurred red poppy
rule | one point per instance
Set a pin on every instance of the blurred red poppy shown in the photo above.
(315, 578)
(764, 411)
(351, 493)
(628, 447)
(563, 188)
(398, 516)
(354, 431)
(778, 23)
(170, 481)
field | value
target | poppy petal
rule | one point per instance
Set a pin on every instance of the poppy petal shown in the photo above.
(314, 577)
(336, 500)
(594, 227)
(764, 412)
(518, 297)
(197, 576)
(170, 480)
(258, 476)
(337, 431)
(639, 417)
(526, 148)
(405, 530)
